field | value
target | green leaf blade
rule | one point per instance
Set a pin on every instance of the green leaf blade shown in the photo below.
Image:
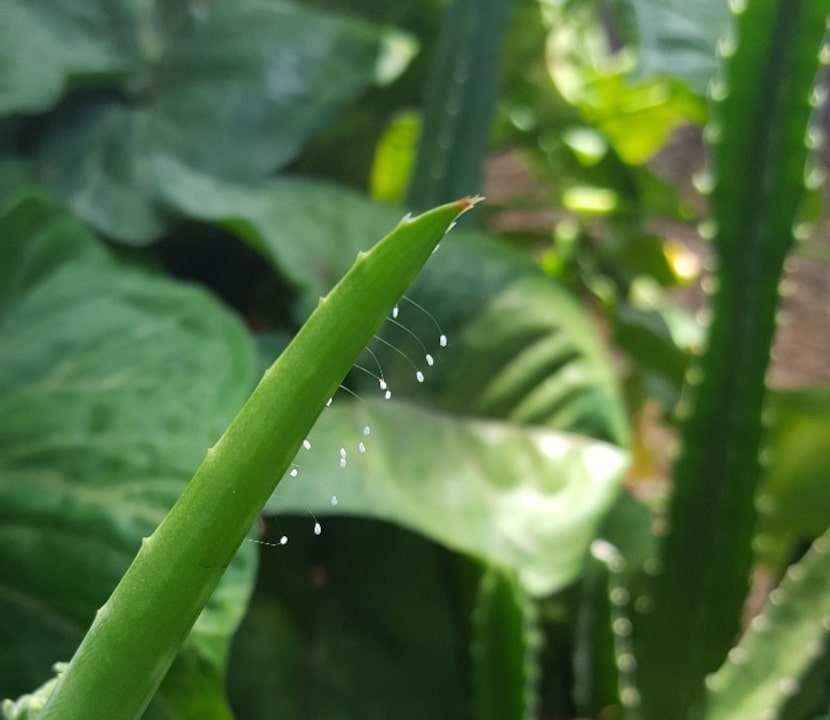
(158, 599)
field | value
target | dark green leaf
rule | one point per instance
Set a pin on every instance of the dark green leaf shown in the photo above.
(360, 623)
(626, 532)
(506, 644)
(230, 89)
(530, 355)
(112, 385)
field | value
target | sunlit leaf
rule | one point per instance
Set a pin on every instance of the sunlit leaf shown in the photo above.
(525, 498)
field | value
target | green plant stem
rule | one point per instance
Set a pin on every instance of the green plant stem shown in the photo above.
(459, 108)
(136, 634)
(761, 109)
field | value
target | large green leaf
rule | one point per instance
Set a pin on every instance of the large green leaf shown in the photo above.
(518, 497)
(361, 623)
(112, 384)
(230, 89)
(519, 347)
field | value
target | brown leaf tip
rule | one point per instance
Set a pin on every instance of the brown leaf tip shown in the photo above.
(470, 201)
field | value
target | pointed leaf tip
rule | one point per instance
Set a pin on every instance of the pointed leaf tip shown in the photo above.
(466, 203)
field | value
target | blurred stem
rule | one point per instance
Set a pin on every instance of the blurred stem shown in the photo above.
(460, 102)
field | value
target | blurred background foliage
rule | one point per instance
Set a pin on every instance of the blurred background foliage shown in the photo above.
(178, 186)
